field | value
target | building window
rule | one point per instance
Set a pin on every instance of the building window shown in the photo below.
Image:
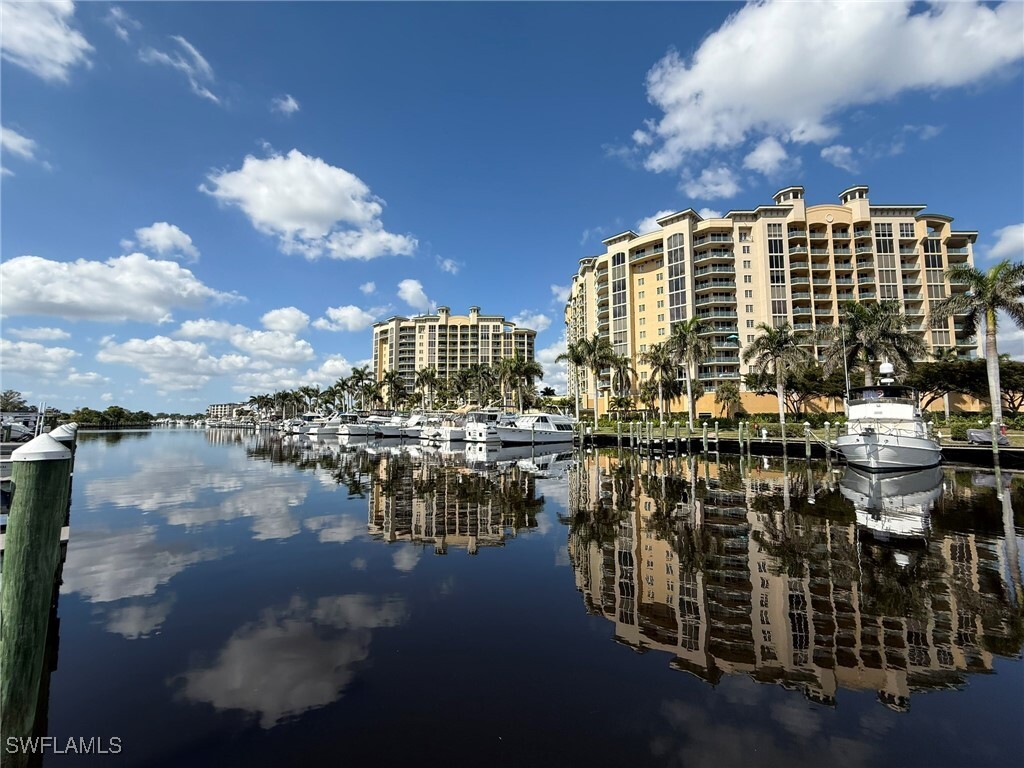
(748, 294)
(748, 279)
(906, 230)
(641, 295)
(661, 331)
(643, 334)
(750, 338)
(661, 290)
(642, 307)
(746, 249)
(660, 276)
(661, 304)
(643, 347)
(750, 323)
(750, 308)
(640, 281)
(746, 264)
(643, 320)
(661, 318)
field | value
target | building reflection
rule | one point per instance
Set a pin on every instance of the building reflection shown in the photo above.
(435, 500)
(794, 576)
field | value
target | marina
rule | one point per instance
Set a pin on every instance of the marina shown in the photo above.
(266, 597)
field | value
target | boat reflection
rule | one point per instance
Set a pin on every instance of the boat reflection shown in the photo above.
(765, 572)
(893, 505)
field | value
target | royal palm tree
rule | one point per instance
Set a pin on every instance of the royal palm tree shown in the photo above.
(526, 372)
(622, 371)
(593, 354)
(574, 355)
(358, 380)
(690, 348)
(394, 382)
(988, 293)
(868, 334)
(426, 379)
(663, 369)
(727, 394)
(777, 350)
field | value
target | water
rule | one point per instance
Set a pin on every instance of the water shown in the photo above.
(235, 600)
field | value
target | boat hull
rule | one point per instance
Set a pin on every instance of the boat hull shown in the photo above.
(520, 436)
(878, 452)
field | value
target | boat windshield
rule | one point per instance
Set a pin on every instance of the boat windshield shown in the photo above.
(883, 391)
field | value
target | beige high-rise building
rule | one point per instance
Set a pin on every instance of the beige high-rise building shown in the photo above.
(785, 262)
(447, 343)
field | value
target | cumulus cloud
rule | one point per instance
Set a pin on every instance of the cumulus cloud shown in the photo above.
(39, 334)
(285, 319)
(132, 287)
(767, 157)
(555, 373)
(275, 347)
(139, 620)
(313, 208)
(187, 61)
(329, 371)
(13, 143)
(40, 38)
(535, 321)
(709, 213)
(170, 364)
(406, 558)
(712, 183)
(35, 359)
(286, 104)
(86, 379)
(448, 265)
(1009, 244)
(347, 318)
(560, 292)
(840, 156)
(368, 288)
(122, 24)
(164, 239)
(734, 88)
(411, 292)
(650, 224)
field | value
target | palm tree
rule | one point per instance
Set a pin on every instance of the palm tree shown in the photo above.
(526, 372)
(594, 354)
(622, 370)
(690, 348)
(1001, 288)
(663, 368)
(574, 355)
(777, 349)
(867, 334)
(427, 378)
(395, 384)
(358, 380)
(727, 394)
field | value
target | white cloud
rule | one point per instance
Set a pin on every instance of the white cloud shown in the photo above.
(368, 288)
(86, 379)
(1009, 244)
(347, 318)
(134, 621)
(709, 213)
(840, 156)
(107, 397)
(170, 364)
(188, 61)
(118, 20)
(285, 319)
(448, 265)
(39, 334)
(163, 239)
(275, 347)
(330, 370)
(650, 224)
(713, 183)
(735, 88)
(286, 104)
(35, 359)
(14, 143)
(561, 292)
(535, 321)
(1009, 338)
(406, 558)
(411, 292)
(313, 208)
(592, 233)
(767, 157)
(555, 373)
(39, 37)
(132, 287)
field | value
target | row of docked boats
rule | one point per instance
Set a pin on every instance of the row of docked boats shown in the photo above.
(485, 425)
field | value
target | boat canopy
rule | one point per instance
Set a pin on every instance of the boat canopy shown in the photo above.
(880, 391)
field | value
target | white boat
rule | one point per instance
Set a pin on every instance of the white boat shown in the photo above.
(330, 426)
(893, 505)
(412, 427)
(481, 426)
(453, 428)
(538, 428)
(885, 432)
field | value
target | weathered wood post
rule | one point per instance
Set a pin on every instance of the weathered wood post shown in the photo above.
(807, 440)
(716, 435)
(739, 435)
(995, 441)
(40, 475)
(67, 435)
(705, 437)
(618, 433)
(664, 434)
(676, 435)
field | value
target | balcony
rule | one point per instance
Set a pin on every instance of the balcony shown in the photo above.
(819, 234)
(911, 281)
(800, 280)
(819, 251)
(801, 295)
(729, 269)
(797, 249)
(802, 326)
(818, 312)
(844, 296)
(716, 299)
(865, 264)
(713, 376)
(842, 252)
(801, 311)
(705, 313)
(713, 255)
(719, 328)
(863, 249)
(860, 233)
(708, 285)
(798, 265)
(701, 242)
(795, 233)
(912, 296)
(910, 266)
(908, 251)
(865, 279)
(824, 281)
(734, 359)
(867, 295)
(840, 234)
(913, 312)
(844, 266)
(957, 251)
(970, 341)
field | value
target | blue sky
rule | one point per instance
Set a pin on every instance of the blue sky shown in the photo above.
(201, 202)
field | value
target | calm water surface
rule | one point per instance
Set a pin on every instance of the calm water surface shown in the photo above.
(230, 599)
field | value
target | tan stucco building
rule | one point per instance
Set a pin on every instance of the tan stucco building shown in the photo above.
(447, 343)
(784, 262)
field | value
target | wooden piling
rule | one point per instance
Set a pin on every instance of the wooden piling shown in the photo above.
(705, 437)
(40, 475)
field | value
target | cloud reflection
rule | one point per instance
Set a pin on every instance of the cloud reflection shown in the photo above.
(293, 659)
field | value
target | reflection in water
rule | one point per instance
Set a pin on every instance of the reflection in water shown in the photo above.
(770, 573)
(293, 659)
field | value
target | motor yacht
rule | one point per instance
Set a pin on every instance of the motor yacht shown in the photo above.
(537, 428)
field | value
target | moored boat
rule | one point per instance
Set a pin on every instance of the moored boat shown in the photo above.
(537, 428)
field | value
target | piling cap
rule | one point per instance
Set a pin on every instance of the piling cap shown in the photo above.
(42, 448)
(64, 430)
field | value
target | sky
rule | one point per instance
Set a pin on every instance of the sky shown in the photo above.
(201, 202)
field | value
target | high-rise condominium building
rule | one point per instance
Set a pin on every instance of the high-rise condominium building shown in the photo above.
(446, 342)
(786, 262)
